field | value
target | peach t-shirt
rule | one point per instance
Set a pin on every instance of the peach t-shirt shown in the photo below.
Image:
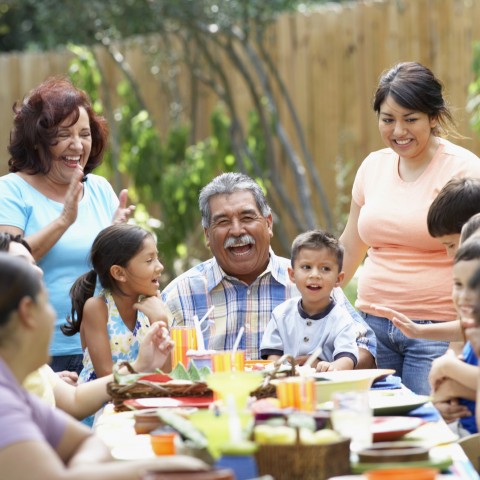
(406, 269)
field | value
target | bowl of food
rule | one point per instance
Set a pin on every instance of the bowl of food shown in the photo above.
(327, 383)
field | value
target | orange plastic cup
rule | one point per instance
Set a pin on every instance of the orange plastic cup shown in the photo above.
(227, 361)
(420, 473)
(163, 443)
(185, 339)
(297, 392)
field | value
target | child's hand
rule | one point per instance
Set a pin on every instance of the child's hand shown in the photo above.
(323, 366)
(153, 308)
(402, 322)
(451, 410)
(69, 377)
(155, 348)
(440, 369)
(301, 359)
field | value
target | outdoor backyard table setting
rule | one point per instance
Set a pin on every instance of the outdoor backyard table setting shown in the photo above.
(262, 420)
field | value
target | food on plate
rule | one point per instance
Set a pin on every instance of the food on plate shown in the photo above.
(266, 434)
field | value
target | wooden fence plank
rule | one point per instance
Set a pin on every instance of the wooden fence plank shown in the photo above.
(330, 59)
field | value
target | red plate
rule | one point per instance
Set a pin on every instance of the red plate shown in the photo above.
(157, 377)
(169, 402)
(386, 429)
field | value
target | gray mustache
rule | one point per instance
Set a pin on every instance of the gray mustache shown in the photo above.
(237, 241)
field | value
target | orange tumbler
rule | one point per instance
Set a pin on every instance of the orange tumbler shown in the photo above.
(185, 339)
(163, 443)
(297, 392)
(228, 361)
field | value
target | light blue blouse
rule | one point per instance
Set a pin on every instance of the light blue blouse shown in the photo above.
(24, 207)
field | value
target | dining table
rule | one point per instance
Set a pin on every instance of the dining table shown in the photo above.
(117, 430)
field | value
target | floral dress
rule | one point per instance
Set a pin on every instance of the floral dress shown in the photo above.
(124, 343)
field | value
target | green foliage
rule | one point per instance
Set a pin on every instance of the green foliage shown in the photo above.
(48, 24)
(166, 176)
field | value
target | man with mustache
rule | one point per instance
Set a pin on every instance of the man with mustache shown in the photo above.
(244, 280)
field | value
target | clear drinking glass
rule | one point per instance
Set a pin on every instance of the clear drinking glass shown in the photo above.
(352, 418)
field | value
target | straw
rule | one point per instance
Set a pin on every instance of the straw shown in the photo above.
(198, 330)
(234, 425)
(209, 311)
(235, 346)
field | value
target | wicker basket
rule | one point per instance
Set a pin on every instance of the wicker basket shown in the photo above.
(145, 389)
(304, 462)
(269, 390)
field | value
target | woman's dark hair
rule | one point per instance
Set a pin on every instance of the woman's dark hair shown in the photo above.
(114, 245)
(36, 122)
(17, 280)
(414, 86)
(7, 238)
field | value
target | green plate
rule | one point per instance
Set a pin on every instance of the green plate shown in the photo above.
(440, 463)
(388, 402)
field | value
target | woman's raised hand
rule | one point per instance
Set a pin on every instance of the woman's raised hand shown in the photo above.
(72, 198)
(123, 212)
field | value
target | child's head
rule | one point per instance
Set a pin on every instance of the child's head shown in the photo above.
(24, 303)
(317, 259)
(17, 246)
(114, 259)
(316, 240)
(471, 228)
(125, 259)
(456, 202)
(466, 263)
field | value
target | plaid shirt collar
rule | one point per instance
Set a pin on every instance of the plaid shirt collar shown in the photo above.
(215, 274)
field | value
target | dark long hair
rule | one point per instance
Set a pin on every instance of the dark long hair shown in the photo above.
(114, 245)
(17, 280)
(36, 122)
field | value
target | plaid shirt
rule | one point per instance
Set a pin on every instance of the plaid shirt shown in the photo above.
(238, 304)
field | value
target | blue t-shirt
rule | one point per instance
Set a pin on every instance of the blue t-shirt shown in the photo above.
(469, 423)
(24, 207)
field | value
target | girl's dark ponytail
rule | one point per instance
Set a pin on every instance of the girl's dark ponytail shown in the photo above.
(81, 291)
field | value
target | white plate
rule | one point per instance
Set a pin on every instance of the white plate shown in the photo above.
(346, 380)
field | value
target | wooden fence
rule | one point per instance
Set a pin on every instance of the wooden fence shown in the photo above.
(330, 60)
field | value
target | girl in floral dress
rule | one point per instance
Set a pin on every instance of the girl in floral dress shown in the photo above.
(112, 323)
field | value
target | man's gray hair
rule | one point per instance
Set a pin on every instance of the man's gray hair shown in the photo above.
(226, 184)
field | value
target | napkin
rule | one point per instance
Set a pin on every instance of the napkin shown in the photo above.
(390, 382)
